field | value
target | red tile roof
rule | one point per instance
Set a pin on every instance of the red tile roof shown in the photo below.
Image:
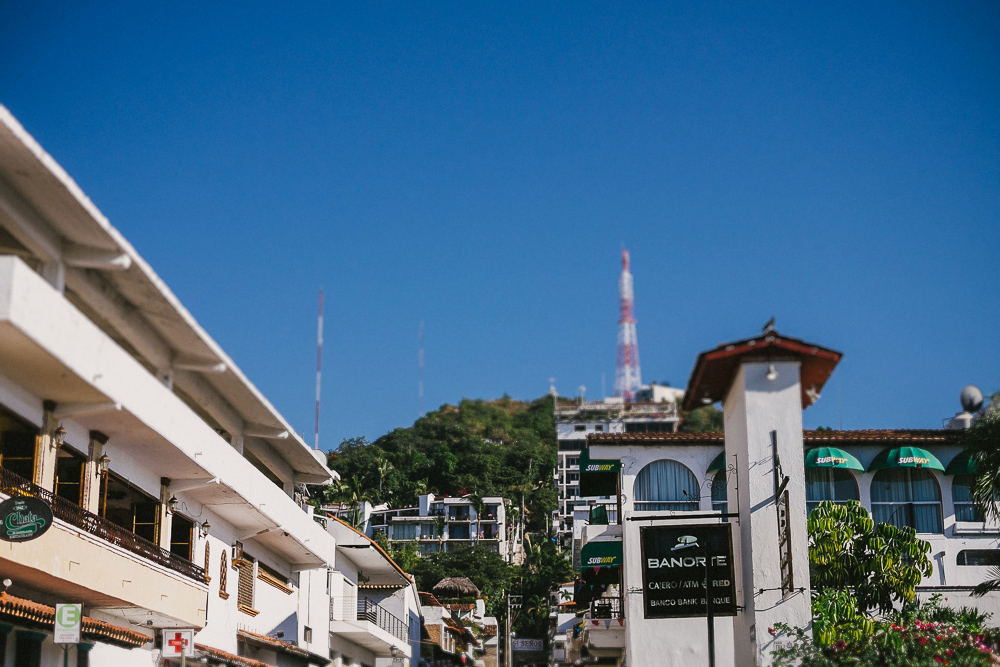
(229, 658)
(428, 600)
(715, 369)
(256, 639)
(29, 612)
(867, 437)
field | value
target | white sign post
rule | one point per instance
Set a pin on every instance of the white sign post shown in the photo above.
(69, 618)
(178, 644)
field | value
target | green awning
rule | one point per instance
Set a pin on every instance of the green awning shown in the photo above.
(963, 464)
(598, 477)
(831, 457)
(601, 554)
(905, 457)
(718, 463)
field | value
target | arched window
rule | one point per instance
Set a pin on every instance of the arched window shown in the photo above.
(907, 497)
(223, 571)
(720, 494)
(836, 484)
(666, 486)
(961, 493)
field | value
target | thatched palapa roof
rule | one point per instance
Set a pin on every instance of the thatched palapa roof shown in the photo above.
(456, 587)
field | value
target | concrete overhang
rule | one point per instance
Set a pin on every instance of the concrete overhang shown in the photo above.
(55, 352)
(55, 222)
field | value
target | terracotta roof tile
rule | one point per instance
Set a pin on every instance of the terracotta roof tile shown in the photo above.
(489, 631)
(428, 600)
(229, 658)
(263, 640)
(927, 436)
(29, 612)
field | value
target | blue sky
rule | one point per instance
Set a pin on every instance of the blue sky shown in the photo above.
(478, 168)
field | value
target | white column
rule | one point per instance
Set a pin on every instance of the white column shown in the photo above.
(755, 407)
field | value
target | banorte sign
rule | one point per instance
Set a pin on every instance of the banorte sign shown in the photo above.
(676, 560)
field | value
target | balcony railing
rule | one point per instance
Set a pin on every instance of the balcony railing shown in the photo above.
(377, 614)
(13, 484)
(606, 608)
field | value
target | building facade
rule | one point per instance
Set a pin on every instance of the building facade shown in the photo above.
(175, 488)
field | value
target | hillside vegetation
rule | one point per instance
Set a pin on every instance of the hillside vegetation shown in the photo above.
(502, 447)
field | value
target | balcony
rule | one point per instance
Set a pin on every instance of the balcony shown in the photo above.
(605, 608)
(62, 509)
(87, 558)
(370, 625)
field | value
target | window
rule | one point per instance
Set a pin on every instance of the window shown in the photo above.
(599, 427)
(836, 484)
(69, 474)
(17, 445)
(181, 530)
(245, 566)
(720, 493)
(580, 427)
(575, 461)
(981, 557)
(666, 486)
(404, 531)
(271, 576)
(961, 493)
(459, 532)
(907, 497)
(429, 548)
(28, 648)
(132, 508)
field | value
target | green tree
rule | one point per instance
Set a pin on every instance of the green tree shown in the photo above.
(705, 418)
(879, 563)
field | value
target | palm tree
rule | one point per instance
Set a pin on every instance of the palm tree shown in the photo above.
(983, 439)
(382, 467)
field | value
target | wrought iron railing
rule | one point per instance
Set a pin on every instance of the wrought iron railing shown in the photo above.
(377, 614)
(13, 484)
(606, 608)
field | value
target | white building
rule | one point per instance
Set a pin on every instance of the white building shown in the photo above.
(655, 411)
(172, 480)
(917, 478)
(438, 522)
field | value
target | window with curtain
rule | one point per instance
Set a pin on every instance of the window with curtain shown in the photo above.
(720, 494)
(961, 493)
(907, 497)
(666, 486)
(404, 531)
(836, 484)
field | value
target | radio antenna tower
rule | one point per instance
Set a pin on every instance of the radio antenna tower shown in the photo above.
(319, 362)
(420, 361)
(627, 377)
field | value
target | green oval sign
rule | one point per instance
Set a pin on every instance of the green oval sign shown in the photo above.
(23, 518)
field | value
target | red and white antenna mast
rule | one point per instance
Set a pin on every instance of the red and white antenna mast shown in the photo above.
(319, 362)
(627, 377)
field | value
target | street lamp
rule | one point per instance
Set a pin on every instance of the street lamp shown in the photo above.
(172, 504)
(60, 436)
(105, 463)
(204, 528)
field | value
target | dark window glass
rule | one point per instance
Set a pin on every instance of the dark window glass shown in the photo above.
(28, 649)
(69, 475)
(961, 493)
(181, 529)
(982, 557)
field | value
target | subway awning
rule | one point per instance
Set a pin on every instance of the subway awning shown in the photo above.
(601, 554)
(718, 463)
(905, 457)
(963, 464)
(832, 457)
(598, 477)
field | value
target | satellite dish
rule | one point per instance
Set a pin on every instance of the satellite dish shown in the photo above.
(972, 398)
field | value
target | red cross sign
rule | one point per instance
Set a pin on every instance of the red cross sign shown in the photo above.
(177, 643)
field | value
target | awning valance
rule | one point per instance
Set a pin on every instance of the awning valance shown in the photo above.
(718, 463)
(600, 554)
(905, 457)
(963, 464)
(598, 477)
(832, 457)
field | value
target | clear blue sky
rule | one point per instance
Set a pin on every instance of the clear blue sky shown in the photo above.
(478, 167)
